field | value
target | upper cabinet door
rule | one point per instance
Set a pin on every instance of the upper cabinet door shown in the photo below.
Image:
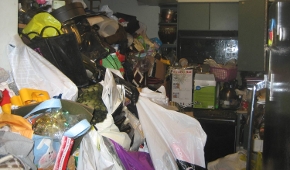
(252, 35)
(193, 16)
(208, 16)
(224, 16)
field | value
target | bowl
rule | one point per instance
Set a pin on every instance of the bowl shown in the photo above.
(168, 15)
(167, 34)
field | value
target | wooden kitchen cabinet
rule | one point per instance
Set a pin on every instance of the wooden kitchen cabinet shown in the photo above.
(208, 16)
(252, 35)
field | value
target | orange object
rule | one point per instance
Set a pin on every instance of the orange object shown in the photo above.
(6, 103)
(29, 96)
(16, 124)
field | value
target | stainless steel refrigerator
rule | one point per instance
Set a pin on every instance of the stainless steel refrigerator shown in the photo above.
(276, 148)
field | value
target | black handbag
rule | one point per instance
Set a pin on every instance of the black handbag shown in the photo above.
(63, 52)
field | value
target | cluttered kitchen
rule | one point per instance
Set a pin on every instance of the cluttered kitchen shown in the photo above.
(144, 85)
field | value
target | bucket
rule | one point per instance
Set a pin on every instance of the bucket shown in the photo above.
(108, 27)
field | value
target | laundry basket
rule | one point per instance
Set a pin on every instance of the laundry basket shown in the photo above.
(224, 74)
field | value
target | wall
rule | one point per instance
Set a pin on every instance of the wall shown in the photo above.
(8, 27)
(144, 13)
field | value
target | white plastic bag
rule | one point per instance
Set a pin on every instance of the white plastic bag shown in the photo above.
(235, 161)
(108, 129)
(112, 96)
(31, 70)
(159, 98)
(171, 135)
(139, 137)
(94, 154)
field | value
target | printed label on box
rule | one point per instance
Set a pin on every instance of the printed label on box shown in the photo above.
(182, 87)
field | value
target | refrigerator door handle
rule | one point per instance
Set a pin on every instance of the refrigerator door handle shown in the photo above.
(271, 76)
(271, 90)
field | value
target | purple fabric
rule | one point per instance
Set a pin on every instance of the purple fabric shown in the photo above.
(134, 160)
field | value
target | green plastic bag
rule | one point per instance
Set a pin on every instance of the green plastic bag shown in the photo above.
(38, 22)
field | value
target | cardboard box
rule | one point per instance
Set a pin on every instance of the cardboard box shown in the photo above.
(181, 87)
(204, 93)
(161, 70)
(189, 114)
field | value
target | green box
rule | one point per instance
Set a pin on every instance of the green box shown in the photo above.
(204, 93)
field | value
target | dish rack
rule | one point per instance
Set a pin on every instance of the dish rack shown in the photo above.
(224, 74)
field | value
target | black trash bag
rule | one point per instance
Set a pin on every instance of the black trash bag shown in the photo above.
(132, 24)
(63, 52)
(183, 165)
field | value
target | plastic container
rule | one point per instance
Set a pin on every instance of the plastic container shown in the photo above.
(224, 74)
(108, 26)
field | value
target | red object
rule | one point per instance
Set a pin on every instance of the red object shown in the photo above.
(271, 37)
(41, 2)
(63, 153)
(121, 57)
(5, 98)
(245, 105)
(121, 20)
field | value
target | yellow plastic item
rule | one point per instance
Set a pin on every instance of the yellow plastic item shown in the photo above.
(6, 108)
(29, 96)
(38, 22)
(167, 62)
(258, 162)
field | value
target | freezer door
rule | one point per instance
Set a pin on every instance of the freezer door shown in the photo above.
(276, 150)
(278, 24)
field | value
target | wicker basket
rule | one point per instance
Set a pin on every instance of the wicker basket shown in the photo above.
(224, 74)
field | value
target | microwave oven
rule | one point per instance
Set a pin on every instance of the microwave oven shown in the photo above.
(196, 46)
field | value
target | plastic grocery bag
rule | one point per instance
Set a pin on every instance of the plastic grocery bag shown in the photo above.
(112, 95)
(31, 70)
(108, 129)
(235, 161)
(139, 137)
(94, 153)
(133, 160)
(171, 135)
